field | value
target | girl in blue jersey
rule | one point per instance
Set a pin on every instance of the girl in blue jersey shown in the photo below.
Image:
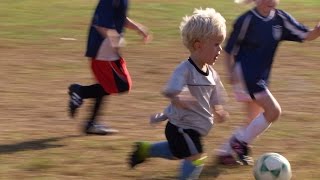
(250, 51)
(109, 68)
(196, 94)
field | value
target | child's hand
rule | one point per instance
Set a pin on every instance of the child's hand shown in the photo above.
(157, 118)
(147, 37)
(220, 114)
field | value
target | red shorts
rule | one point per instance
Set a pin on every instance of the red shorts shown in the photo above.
(113, 76)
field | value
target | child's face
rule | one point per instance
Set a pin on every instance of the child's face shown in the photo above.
(266, 6)
(210, 49)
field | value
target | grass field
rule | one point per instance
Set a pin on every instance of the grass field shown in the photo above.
(39, 141)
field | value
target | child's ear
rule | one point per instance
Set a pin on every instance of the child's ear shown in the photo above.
(196, 44)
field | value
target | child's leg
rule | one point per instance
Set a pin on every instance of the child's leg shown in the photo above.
(97, 92)
(75, 99)
(92, 91)
(162, 150)
(253, 110)
(191, 169)
(186, 144)
(144, 150)
(257, 126)
(225, 152)
(263, 120)
(96, 109)
(78, 92)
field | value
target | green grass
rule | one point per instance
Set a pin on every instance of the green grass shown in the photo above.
(39, 141)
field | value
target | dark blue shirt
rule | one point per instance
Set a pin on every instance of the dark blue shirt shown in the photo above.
(109, 14)
(255, 39)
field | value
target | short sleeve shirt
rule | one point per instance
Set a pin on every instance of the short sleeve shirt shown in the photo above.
(206, 87)
(110, 14)
(255, 38)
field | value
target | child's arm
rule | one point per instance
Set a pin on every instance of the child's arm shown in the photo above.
(220, 113)
(229, 64)
(314, 33)
(130, 24)
(181, 99)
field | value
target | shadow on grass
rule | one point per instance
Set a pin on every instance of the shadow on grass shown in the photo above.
(158, 178)
(33, 145)
(214, 169)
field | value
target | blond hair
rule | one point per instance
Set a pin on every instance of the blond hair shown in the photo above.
(201, 25)
(243, 1)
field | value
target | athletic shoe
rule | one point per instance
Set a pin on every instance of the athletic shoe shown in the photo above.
(139, 154)
(98, 129)
(228, 160)
(75, 99)
(157, 118)
(242, 150)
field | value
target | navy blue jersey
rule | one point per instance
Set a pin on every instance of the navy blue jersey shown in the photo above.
(109, 14)
(255, 38)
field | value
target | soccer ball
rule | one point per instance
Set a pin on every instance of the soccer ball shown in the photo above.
(272, 166)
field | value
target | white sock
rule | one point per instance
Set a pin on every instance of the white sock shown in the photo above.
(240, 132)
(255, 128)
(226, 149)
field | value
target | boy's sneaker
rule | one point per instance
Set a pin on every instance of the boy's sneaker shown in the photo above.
(98, 129)
(242, 150)
(75, 99)
(227, 160)
(140, 153)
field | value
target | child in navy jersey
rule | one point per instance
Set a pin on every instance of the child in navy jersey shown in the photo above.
(250, 51)
(108, 66)
(196, 94)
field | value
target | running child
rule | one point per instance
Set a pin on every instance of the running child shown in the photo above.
(250, 52)
(196, 94)
(108, 66)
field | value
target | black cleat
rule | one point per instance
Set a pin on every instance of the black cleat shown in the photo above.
(227, 160)
(242, 150)
(75, 100)
(139, 155)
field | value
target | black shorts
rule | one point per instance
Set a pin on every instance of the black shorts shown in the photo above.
(183, 143)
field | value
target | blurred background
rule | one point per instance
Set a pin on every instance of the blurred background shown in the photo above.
(42, 45)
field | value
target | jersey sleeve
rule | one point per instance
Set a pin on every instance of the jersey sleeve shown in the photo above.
(233, 38)
(177, 81)
(219, 95)
(239, 32)
(104, 13)
(293, 30)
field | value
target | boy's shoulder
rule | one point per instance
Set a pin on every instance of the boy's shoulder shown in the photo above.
(184, 64)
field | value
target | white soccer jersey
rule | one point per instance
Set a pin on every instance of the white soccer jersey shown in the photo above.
(206, 87)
